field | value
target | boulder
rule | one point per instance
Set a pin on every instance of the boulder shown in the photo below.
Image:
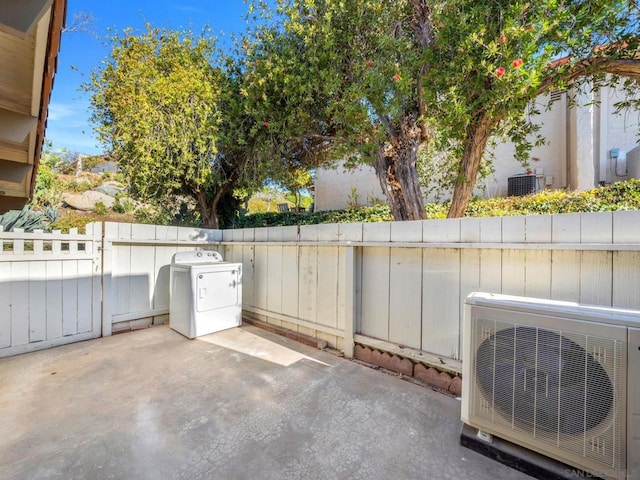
(111, 190)
(87, 201)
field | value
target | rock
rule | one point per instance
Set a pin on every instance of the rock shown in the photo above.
(87, 201)
(116, 184)
(110, 190)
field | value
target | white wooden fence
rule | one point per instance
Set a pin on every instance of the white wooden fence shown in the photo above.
(403, 283)
(136, 270)
(398, 286)
(49, 289)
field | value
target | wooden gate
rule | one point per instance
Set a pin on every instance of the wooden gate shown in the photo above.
(50, 289)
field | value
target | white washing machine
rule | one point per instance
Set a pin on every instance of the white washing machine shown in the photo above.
(206, 293)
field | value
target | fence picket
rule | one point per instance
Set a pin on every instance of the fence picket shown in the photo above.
(308, 290)
(54, 299)
(73, 244)
(442, 278)
(596, 278)
(374, 297)
(626, 280)
(69, 298)
(37, 305)
(18, 243)
(248, 276)
(38, 243)
(19, 302)
(56, 245)
(290, 272)
(565, 275)
(405, 304)
(5, 303)
(85, 287)
(274, 284)
(261, 276)
(327, 289)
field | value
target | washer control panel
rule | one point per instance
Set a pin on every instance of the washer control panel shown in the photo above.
(197, 256)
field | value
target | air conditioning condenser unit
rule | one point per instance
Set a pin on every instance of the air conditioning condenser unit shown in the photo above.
(558, 378)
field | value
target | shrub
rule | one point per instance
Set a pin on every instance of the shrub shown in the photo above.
(124, 205)
(100, 209)
(28, 219)
(617, 196)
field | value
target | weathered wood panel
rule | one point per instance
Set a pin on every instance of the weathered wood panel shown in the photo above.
(274, 283)
(260, 276)
(308, 286)
(37, 301)
(405, 297)
(441, 282)
(54, 299)
(626, 280)
(5, 303)
(327, 290)
(374, 296)
(290, 283)
(565, 275)
(248, 275)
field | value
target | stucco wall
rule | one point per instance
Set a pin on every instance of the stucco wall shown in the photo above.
(548, 160)
(336, 188)
(576, 154)
(620, 131)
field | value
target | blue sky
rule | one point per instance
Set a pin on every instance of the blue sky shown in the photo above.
(68, 126)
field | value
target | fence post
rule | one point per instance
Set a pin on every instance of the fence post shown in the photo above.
(350, 316)
(94, 246)
(110, 231)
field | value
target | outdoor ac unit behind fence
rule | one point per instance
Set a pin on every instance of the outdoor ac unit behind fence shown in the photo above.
(558, 378)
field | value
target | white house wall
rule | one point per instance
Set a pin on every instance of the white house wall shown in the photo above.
(583, 148)
(620, 131)
(548, 160)
(575, 156)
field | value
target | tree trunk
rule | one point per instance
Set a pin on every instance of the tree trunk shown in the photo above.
(397, 173)
(477, 137)
(209, 212)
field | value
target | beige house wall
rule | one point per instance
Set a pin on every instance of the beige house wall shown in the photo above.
(339, 187)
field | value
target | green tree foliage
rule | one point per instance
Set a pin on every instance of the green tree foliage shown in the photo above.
(495, 58)
(377, 81)
(166, 105)
(296, 179)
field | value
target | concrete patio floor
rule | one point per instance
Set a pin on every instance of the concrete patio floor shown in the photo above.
(238, 404)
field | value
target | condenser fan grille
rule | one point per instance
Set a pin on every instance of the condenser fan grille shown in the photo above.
(559, 388)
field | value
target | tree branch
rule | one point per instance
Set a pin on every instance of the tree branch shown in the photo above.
(625, 67)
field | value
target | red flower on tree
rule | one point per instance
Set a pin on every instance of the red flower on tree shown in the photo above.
(266, 124)
(396, 78)
(369, 64)
(500, 71)
(503, 38)
(517, 63)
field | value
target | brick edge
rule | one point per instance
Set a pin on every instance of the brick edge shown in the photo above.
(409, 369)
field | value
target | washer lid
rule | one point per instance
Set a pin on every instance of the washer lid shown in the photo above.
(197, 256)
